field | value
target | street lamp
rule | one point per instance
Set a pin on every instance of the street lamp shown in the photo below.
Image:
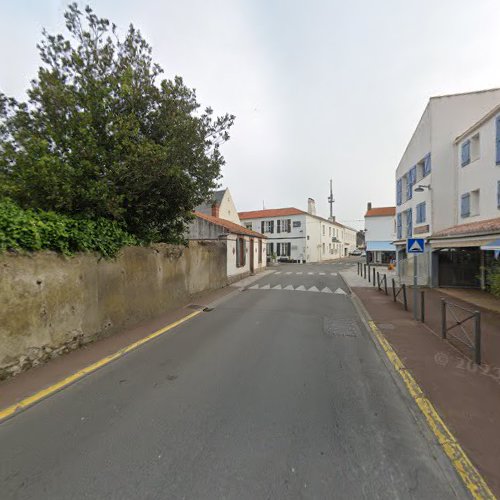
(420, 188)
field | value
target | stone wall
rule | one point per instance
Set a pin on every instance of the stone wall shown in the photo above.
(50, 303)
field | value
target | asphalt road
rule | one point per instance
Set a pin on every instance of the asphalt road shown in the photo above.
(274, 394)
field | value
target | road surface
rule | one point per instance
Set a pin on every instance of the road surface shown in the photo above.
(276, 393)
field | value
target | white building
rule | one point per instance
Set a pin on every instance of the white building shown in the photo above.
(435, 193)
(218, 220)
(298, 236)
(380, 232)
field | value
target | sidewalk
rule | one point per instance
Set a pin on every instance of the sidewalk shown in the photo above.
(466, 396)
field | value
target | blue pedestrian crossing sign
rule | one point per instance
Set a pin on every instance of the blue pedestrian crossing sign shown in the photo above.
(415, 245)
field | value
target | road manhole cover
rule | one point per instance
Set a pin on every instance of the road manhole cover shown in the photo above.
(340, 327)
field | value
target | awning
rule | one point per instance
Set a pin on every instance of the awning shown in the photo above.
(492, 245)
(380, 246)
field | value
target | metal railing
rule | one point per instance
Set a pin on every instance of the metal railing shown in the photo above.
(382, 280)
(401, 290)
(472, 339)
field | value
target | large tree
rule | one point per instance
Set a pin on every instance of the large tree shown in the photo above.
(102, 135)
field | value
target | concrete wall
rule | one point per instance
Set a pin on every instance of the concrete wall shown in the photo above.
(50, 303)
(380, 228)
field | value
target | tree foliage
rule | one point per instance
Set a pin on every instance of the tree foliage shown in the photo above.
(35, 230)
(101, 134)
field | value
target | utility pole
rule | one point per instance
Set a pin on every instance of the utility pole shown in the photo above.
(331, 200)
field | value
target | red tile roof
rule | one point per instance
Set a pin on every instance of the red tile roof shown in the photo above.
(381, 212)
(479, 227)
(232, 227)
(271, 212)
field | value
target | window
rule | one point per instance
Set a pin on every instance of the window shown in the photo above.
(283, 249)
(427, 164)
(248, 225)
(283, 226)
(411, 179)
(270, 249)
(474, 148)
(465, 153)
(323, 230)
(240, 252)
(296, 223)
(399, 191)
(409, 223)
(474, 202)
(420, 213)
(329, 230)
(465, 205)
(497, 120)
(323, 246)
(267, 226)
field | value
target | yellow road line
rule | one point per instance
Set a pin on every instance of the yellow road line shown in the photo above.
(470, 476)
(34, 398)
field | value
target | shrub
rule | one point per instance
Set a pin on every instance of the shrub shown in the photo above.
(34, 230)
(494, 280)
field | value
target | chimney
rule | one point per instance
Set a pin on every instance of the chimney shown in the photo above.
(311, 206)
(369, 207)
(215, 209)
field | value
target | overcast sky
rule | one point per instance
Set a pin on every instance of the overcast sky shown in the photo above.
(320, 89)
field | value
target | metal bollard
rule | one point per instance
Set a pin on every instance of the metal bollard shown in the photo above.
(373, 276)
(477, 337)
(443, 318)
(405, 302)
(385, 284)
(364, 268)
(393, 290)
(369, 273)
(422, 306)
(378, 280)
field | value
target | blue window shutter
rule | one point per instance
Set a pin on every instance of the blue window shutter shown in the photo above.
(427, 164)
(424, 215)
(465, 153)
(398, 226)
(399, 191)
(498, 139)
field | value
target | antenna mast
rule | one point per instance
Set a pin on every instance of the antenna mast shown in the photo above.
(331, 200)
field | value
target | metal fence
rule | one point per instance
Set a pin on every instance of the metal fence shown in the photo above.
(466, 327)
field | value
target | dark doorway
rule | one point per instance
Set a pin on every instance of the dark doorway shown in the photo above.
(460, 267)
(252, 254)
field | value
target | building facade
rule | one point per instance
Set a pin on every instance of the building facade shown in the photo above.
(298, 236)
(447, 177)
(380, 232)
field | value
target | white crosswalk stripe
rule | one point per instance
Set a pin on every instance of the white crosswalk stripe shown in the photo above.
(277, 287)
(277, 272)
(326, 290)
(340, 291)
(289, 272)
(322, 274)
(301, 287)
(333, 274)
(299, 272)
(310, 273)
(313, 289)
(289, 287)
(265, 287)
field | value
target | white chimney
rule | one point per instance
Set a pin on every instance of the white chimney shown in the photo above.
(311, 206)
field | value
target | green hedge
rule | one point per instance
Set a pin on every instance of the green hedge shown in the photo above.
(34, 230)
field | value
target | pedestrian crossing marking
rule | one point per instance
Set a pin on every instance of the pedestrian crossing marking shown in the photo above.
(299, 272)
(289, 272)
(277, 272)
(333, 274)
(300, 288)
(310, 273)
(322, 274)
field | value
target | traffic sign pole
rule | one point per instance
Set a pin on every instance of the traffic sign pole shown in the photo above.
(415, 287)
(415, 246)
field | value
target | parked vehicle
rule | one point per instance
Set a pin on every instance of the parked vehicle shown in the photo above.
(355, 252)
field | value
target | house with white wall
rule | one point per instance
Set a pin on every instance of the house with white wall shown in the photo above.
(380, 232)
(218, 220)
(433, 189)
(298, 236)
